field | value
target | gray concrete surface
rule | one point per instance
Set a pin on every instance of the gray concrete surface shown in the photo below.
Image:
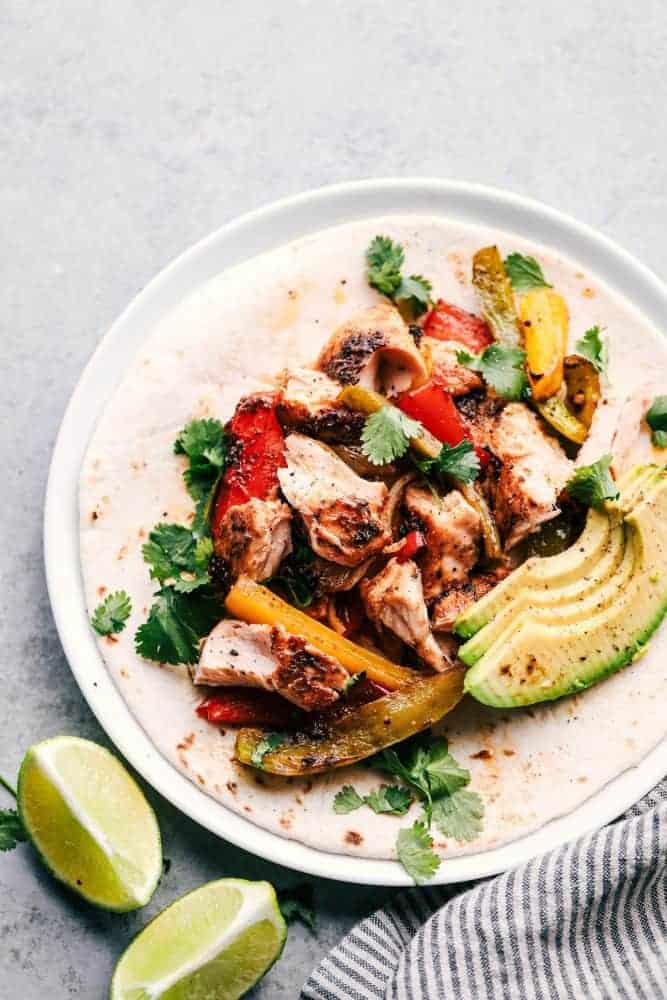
(128, 130)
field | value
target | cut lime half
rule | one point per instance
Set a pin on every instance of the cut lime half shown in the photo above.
(90, 822)
(213, 944)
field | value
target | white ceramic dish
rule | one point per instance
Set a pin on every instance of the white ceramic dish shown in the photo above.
(250, 235)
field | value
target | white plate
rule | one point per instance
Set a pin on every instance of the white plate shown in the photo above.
(252, 234)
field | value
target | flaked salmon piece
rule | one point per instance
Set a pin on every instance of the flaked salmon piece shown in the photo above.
(395, 599)
(343, 514)
(308, 402)
(254, 537)
(534, 472)
(236, 654)
(454, 378)
(374, 349)
(453, 530)
(619, 428)
(446, 608)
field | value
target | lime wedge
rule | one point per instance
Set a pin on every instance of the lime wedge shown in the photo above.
(213, 944)
(90, 822)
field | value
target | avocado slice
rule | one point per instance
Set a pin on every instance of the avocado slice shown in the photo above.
(540, 659)
(599, 582)
(552, 572)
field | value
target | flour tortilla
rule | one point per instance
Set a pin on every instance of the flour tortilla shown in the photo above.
(230, 338)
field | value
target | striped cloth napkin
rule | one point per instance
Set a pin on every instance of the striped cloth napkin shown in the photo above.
(585, 922)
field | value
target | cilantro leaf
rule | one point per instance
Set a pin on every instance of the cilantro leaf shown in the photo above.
(112, 613)
(346, 800)
(656, 418)
(415, 292)
(442, 772)
(297, 904)
(459, 814)
(12, 830)
(176, 622)
(392, 799)
(593, 484)
(386, 434)
(205, 444)
(414, 847)
(294, 574)
(384, 259)
(594, 348)
(353, 679)
(176, 555)
(460, 462)
(524, 273)
(502, 367)
(266, 745)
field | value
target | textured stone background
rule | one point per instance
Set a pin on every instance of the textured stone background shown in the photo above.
(128, 130)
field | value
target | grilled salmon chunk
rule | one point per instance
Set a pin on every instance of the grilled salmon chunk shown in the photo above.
(374, 349)
(236, 654)
(453, 531)
(454, 378)
(255, 537)
(395, 599)
(343, 514)
(534, 471)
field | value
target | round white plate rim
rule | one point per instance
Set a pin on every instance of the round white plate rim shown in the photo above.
(252, 233)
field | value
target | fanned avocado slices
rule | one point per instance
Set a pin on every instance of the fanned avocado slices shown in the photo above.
(558, 629)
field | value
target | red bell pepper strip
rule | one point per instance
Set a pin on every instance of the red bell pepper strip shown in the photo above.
(448, 322)
(249, 707)
(435, 408)
(414, 541)
(259, 439)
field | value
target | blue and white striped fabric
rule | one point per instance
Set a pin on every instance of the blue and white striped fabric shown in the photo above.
(585, 922)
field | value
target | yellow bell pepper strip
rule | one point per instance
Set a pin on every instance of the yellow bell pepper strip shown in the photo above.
(556, 413)
(359, 733)
(251, 602)
(545, 320)
(583, 387)
(496, 296)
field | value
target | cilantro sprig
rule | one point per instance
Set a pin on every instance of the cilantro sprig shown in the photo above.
(111, 614)
(594, 348)
(593, 484)
(386, 434)
(12, 830)
(459, 461)
(266, 745)
(297, 904)
(177, 557)
(429, 773)
(385, 260)
(204, 443)
(503, 368)
(176, 622)
(524, 273)
(656, 418)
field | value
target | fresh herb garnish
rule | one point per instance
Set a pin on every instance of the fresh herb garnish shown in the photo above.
(502, 367)
(385, 259)
(524, 273)
(386, 434)
(12, 831)
(346, 800)
(459, 814)
(353, 679)
(459, 462)
(205, 444)
(176, 556)
(112, 613)
(176, 622)
(656, 418)
(593, 484)
(266, 745)
(297, 904)
(594, 348)
(427, 767)
(395, 800)
(414, 847)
